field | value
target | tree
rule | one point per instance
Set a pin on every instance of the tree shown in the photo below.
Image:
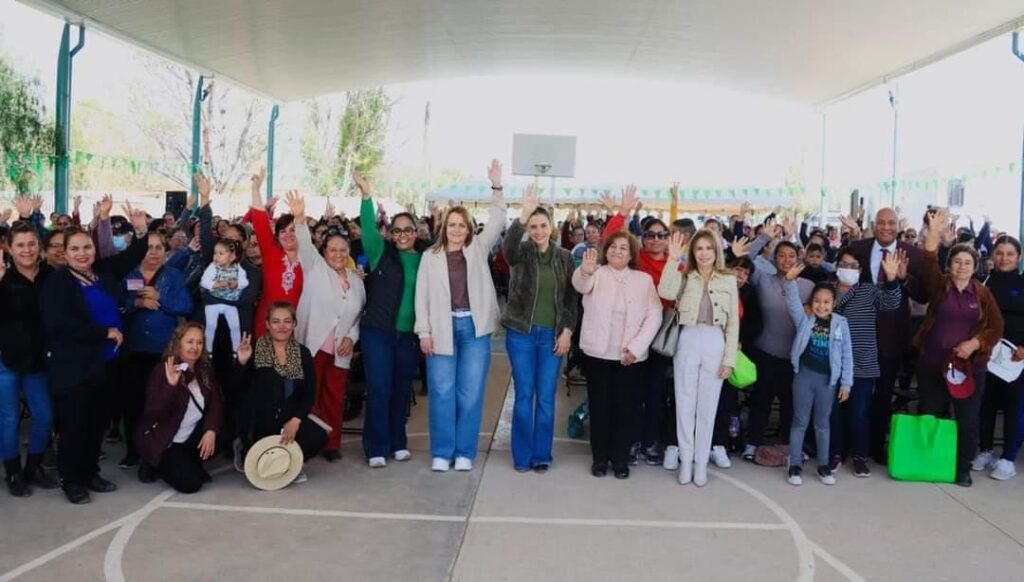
(363, 129)
(319, 143)
(24, 129)
(230, 145)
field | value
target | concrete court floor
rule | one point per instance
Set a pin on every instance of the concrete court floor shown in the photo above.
(406, 523)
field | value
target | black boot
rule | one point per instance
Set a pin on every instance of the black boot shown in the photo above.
(16, 483)
(35, 475)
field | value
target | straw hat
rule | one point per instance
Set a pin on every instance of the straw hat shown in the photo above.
(270, 465)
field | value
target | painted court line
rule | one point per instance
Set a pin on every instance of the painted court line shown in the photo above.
(631, 523)
(60, 551)
(315, 512)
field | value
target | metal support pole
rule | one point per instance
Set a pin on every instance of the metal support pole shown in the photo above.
(270, 152)
(894, 102)
(822, 216)
(1020, 55)
(62, 138)
(197, 127)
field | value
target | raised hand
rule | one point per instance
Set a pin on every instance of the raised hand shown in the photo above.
(329, 210)
(171, 371)
(674, 191)
(245, 349)
(891, 264)
(5, 216)
(788, 226)
(494, 172)
(745, 209)
(296, 204)
(794, 272)
(106, 204)
(740, 246)
(608, 201)
(37, 202)
(772, 229)
(136, 216)
(629, 199)
(205, 186)
(257, 179)
(529, 202)
(677, 245)
(195, 245)
(76, 203)
(589, 264)
(23, 204)
(362, 184)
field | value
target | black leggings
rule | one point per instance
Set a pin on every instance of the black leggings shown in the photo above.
(1000, 395)
(181, 467)
(82, 416)
(935, 400)
(774, 380)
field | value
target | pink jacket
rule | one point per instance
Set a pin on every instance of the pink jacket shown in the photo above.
(643, 310)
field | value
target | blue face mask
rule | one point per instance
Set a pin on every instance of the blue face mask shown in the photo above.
(120, 243)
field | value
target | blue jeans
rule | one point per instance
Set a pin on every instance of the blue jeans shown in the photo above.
(390, 360)
(34, 387)
(850, 431)
(456, 386)
(535, 370)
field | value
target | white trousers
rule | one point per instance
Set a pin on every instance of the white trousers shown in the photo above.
(697, 386)
(230, 313)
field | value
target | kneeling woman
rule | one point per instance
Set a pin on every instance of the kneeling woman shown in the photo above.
(621, 315)
(277, 379)
(183, 413)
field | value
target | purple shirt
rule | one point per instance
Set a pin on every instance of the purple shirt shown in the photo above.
(955, 317)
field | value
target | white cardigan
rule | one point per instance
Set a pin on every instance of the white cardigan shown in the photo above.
(324, 305)
(434, 294)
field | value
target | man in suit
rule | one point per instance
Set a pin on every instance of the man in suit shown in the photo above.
(893, 327)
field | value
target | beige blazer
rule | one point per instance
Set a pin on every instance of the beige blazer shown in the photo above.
(725, 302)
(324, 306)
(434, 294)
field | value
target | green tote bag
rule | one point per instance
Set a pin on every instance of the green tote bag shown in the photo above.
(744, 373)
(922, 448)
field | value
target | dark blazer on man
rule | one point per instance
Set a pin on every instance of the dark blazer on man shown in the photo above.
(894, 326)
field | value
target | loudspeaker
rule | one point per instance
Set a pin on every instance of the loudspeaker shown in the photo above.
(175, 202)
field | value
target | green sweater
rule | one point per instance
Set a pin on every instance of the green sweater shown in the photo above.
(544, 309)
(374, 246)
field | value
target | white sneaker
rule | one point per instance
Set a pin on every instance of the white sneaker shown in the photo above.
(1003, 470)
(671, 460)
(440, 465)
(720, 458)
(983, 462)
(794, 476)
(300, 478)
(749, 452)
(463, 464)
(685, 473)
(377, 462)
(826, 476)
(402, 455)
(700, 474)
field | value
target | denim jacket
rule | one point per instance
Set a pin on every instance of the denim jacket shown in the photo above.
(147, 330)
(840, 348)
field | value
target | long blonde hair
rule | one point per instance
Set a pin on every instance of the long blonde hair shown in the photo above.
(442, 229)
(715, 244)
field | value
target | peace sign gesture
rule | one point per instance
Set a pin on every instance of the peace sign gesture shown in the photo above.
(172, 372)
(589, 264)
(245, 349)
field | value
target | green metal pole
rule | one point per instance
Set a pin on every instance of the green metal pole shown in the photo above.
(270, 152)
(197, 126)
(62, 138)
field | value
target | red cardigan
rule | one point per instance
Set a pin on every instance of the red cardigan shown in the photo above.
(282, 281)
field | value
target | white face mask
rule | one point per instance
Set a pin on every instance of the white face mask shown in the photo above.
(848, 276)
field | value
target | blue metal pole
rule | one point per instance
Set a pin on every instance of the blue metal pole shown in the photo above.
(62, 138)
(197, 125)
(270, 151)
(1020, 227)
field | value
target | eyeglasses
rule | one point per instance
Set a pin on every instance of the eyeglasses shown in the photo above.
(408, 231)
(661, 235)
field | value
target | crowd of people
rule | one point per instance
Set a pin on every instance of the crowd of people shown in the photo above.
(189, 335)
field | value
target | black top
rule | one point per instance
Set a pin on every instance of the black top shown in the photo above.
(22, 337)
(74, 343)
(1008, 289)
(265, 403)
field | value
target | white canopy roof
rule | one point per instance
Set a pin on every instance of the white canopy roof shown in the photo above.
(808, 51)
